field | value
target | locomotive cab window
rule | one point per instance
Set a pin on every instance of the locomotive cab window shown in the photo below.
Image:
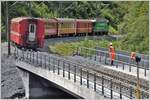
(32, 32)
(32, 28)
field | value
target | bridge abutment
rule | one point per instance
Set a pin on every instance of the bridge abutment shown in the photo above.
(25, 78)
(38, 88)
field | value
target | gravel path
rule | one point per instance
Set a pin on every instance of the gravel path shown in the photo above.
(11, 83)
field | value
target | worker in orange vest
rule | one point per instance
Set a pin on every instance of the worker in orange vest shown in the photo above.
(112, 53)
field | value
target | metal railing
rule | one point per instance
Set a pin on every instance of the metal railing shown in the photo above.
(143, 56)
(120, 60)
(79, 74)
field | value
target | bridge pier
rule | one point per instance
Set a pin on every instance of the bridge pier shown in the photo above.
(38, 88)
(25, 78)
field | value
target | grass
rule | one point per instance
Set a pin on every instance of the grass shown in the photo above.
(67, 49)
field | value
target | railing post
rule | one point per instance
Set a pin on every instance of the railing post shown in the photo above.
(45, 60)
(81, 76)
(120, 91)
(37, 58)
(87, 79)
(33, 58)
(122, 65)
(111, 91)
(99, 57)
(145, 70)
(69, 71)
(41, 59)
(94, 81)
(117, 63)
(63, 69)
(105, 57)
(15, 52)
(53, 65)
(130, 65)
(130, 92)
(74, 73)
(102, 85)
(95, 57)
(49, 63)
(30, 56)
(58, 66)
(23, 53)
(27, 56)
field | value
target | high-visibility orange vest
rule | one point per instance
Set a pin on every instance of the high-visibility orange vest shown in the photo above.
(133, 55)
(112, 52)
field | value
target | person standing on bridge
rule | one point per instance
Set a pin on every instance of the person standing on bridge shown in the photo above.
(112, 53)
(133, 55)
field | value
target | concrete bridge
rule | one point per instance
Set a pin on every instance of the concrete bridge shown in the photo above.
(74, 89)
(61, 80)
(68, 76)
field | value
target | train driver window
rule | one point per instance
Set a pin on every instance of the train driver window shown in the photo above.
(32, 32)
(32, 28)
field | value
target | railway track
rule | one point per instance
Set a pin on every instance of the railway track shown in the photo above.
(52, 41)
(122, 77)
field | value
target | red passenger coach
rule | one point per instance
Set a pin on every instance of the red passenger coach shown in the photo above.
(84, 26)
(66, 26)
(50, 27)
(27, 32)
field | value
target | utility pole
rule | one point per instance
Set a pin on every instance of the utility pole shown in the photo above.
(138, 95)
(7, 28)
(30, 9)
(60, 8)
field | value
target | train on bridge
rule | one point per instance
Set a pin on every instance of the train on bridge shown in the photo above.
(30, 32)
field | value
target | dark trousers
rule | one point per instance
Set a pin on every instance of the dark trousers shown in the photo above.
(112, 62)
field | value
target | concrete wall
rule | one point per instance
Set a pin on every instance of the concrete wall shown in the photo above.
(25, 78)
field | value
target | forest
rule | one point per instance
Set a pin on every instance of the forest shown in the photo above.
(127, 18)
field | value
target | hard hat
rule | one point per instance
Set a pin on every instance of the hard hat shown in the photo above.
(110, 43)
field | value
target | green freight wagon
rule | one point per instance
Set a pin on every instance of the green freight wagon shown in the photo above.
(100, 26)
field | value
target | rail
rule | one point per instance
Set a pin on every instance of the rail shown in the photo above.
(79, 74)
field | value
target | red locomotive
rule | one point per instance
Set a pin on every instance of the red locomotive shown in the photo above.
(27, 32)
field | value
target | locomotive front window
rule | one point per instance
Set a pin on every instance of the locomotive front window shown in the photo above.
(32, 28)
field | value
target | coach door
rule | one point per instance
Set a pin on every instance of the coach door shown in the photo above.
(32, 32)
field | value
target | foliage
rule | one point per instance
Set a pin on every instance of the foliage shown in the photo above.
(112, 30)
(137, 21)
(129, 18)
